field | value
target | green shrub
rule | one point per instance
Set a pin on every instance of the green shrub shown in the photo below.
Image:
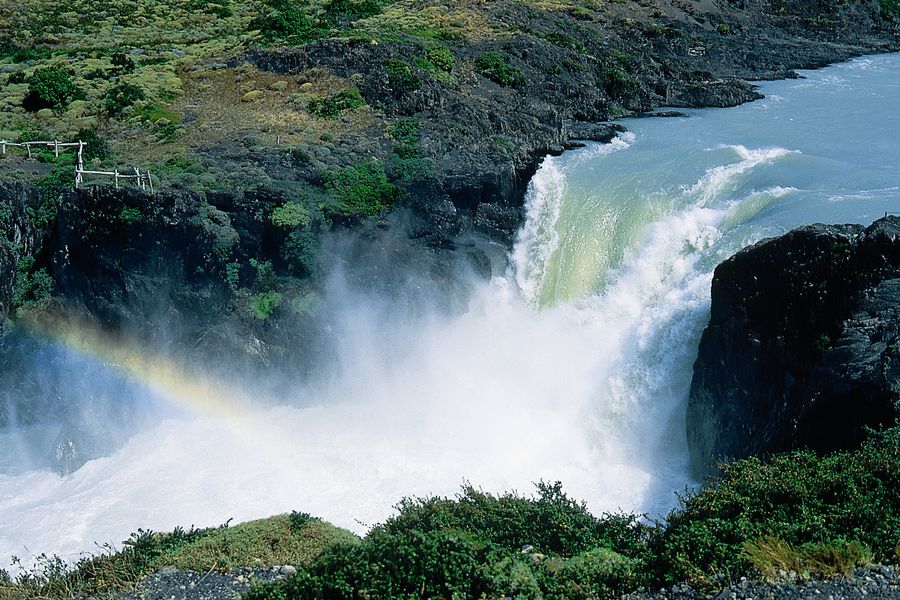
(799, 498)
(130, 215)
(52, 185)
(408, 565)
(401, 78)
(361, 190)
(618, 84)
(263, 305)
(406, 134)
(890, 8)
(495, 67)
(49, 87)
(442, 58)
(332, 106)
(265, 279)
(290, 216)
(121, 97)
(94, 145)
(289, 21)
(122, 62)
(595, 573)
(301, 251)
(33, 287)
(341, 11)
(552, 522)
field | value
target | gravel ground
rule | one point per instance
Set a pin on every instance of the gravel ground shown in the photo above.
(873, 583)
(879, 581)
(171, 584)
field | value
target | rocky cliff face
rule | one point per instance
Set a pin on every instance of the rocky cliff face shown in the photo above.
(802, 349)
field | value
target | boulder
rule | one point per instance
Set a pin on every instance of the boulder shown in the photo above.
(802, 349)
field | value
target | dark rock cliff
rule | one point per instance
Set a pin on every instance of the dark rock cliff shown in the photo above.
(802, 349)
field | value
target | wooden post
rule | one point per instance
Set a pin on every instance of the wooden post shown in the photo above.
(56, 148)
(3, 145)
(150, 181)
(28, 147)
(116, 176)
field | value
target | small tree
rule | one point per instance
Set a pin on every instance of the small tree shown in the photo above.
(49, 87)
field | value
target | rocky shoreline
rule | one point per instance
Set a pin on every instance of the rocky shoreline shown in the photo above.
(876, 582)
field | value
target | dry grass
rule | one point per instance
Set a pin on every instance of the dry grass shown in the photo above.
(774, 558)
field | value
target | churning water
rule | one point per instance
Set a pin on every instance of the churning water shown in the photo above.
(573, 366)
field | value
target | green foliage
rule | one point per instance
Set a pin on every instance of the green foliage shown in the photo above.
(94, 145)
(33, 287)
(494, 66)
(442, 58)
(290, 216)
(289, 21)
(52, 186)
(50, 87)
(890, 8)
(618, 84)
(278, 540)
(595, 573)
(263, 305)
(265, 279)
(406, 134)
(332, 106)
(361, 190)
(122, 62)
(130, 215)
(301, 251)
(800, 498)
(401, 78)
(471, 547)
(408, 163)
(341, 11)
(220, 237)
(552, 522)
(121, 97)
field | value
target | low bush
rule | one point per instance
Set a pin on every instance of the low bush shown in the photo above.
(401, 78)
(262, 306)
(361, 190)
(332, 106)
(344, 11)
(121, 97)
(799, 498)
(495, 67)
(289, 21)
(290, 215)
(442, 58)
(33, 287)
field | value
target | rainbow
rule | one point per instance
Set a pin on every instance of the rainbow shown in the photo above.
(156, 372)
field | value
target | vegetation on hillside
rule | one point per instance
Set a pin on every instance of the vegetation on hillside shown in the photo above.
(797, 514)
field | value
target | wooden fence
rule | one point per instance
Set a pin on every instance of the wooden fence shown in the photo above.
(141, 178)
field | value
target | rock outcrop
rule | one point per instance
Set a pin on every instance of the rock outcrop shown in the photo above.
(802, 349)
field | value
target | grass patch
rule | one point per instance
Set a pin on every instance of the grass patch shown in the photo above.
(775, 558)
(279, 540)
(295, 539)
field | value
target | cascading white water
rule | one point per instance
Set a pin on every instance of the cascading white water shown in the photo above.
(573, 366)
